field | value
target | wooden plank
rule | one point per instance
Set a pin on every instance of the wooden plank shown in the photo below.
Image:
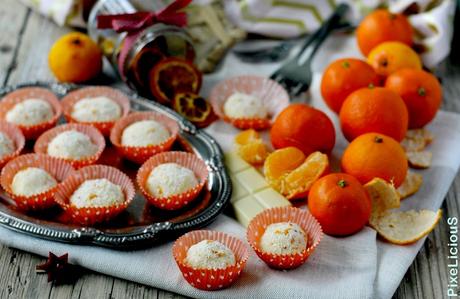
(13, 16)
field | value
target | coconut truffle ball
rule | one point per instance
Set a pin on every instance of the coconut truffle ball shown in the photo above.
(6, 145)
(209, 254)
(144, 133)
(170, 179)
(97, 109)
(31, 181)
(72, 145)
(241, 105)
(96, 193)
(30, 112)
(283, 238)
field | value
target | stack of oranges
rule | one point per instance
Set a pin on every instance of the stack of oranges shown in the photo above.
(377, 100)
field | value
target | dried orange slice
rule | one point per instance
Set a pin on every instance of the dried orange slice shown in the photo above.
(194, 108)
(291, 174)
(410, 185)
(250, 147)
(171, 76)
(142, 63)
(419, 160)
(407, 227)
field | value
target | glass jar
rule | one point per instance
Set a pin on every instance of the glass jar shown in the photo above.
(153, 44)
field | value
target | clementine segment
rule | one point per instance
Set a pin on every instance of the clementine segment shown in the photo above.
(378, 110)
(340, 204)
(291, 174)
(389, 57)
(344, 76)
(304, 127)
(420, 90)
(250, 147)
(382, 26)
(375, 155)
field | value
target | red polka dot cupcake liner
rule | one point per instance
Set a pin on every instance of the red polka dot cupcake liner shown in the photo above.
(22, 94)
(58, 169)
(93, 215)
(210, 279)
(15, 134)
(95, 91)
(41, 145)
(184, 159)
(140, 154)
(273, 96)
(303, 218)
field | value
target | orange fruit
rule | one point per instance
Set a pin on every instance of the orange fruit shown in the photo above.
(382, 26)
(420, 90)
(340, 204)
(304, 127)
(389, 57)
(75, 58)
(344, 76)
(375, 155)
(250, 147)
(378, 110)
(289, 172)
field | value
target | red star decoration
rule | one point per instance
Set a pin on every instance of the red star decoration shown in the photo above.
(56, 267)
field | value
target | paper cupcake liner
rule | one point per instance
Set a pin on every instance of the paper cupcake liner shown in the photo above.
(41, 145)
(274, 97)
(184, 159)
(88, 92)
(15, 134)
(17, 96)
(58, 169)
(140, 154)
(303, 218)
(210, 279)
(93, 215)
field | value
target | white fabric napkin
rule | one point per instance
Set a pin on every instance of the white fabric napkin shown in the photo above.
(358, 266)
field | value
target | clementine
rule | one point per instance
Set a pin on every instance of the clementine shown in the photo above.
(75, 58)
(340, 204)
(382, 26)
(378, 110)
(420, 90)
(251, 147)
(389, 57)
(344, 76)
(375, 155)
(304, 127)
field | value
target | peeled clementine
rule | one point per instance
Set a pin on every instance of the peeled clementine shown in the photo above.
(378, 110)
(340, 204)
(344, 76)
(250, 147)
(420, 90)
(375, 155)
(382, 26)
(75, 58)
(389, 57)
(304, 127)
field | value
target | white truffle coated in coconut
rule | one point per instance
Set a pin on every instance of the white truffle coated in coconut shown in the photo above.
(30, 112)
(72, 145)
(170, 179)
(97, 109)
(283, 238)
(97, 193)
(209, 254)
(31, 181)
(241, 105)
(144, 133)
(6, 145)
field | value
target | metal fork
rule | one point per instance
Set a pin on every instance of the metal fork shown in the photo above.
(295, 76)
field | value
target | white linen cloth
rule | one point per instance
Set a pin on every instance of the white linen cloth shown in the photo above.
(355, 267)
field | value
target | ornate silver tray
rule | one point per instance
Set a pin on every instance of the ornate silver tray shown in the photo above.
(141, 225)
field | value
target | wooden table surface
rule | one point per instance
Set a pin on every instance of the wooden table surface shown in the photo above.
(24, 43)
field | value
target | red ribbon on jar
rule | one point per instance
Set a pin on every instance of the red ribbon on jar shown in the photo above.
(135, 23)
